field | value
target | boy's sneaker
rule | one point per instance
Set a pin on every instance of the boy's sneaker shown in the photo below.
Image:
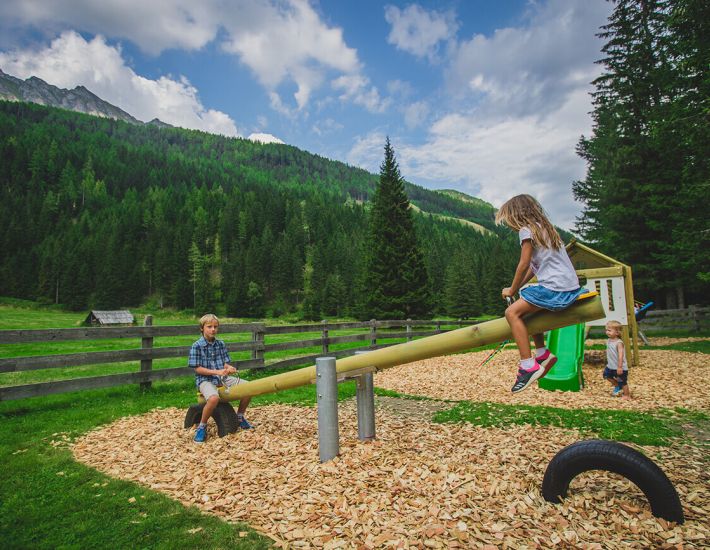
(244, 424)
(547, 360)
(616, 392)
(200, 434)
(527, 377)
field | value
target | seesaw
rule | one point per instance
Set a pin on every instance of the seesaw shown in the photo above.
(588, 307)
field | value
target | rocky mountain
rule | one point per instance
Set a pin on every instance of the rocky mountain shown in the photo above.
(80, 99)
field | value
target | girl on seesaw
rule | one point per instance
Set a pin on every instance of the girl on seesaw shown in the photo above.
(542, 254)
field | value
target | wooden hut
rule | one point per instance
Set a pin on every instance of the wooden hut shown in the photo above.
(107, 318)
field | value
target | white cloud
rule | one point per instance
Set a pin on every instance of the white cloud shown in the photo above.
(327, 126)
(415, 114)
(532, 68)
(70, 60)
(284, 42)
(287, 42)
(400, 88)
(496, 160)
(521, 102)
(264, 138)
(357, 88)
(418, 31)
(368, 151)
(155, 25)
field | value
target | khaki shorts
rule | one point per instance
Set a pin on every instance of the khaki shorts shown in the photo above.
(208, 389)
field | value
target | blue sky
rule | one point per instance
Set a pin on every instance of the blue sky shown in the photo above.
(487, 97)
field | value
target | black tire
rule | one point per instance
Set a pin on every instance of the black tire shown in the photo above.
(226, 419)
(597, 454)
(224, 416)
(194, 414)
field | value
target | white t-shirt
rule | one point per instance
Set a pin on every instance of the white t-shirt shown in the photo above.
(552, 267)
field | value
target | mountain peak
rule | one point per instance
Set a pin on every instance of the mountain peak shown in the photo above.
(80, 98)
(159, 123)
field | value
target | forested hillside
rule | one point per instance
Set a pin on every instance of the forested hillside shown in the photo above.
(101, 213)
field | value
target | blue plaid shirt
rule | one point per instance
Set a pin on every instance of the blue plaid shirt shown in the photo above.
(210, 356)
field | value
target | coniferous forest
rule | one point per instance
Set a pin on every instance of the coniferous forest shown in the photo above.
(104, 214)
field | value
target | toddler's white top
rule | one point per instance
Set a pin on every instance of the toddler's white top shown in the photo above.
(551, 266)
(612, 355)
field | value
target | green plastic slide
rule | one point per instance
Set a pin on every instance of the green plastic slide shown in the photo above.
(567, 344)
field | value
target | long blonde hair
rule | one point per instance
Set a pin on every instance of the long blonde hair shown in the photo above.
(524, 211)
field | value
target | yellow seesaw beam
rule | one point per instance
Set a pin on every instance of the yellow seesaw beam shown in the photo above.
(587, 308)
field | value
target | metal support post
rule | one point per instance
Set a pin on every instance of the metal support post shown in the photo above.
(365, 395)
(327, 392)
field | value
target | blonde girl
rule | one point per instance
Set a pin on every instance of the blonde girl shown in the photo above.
(542, 254)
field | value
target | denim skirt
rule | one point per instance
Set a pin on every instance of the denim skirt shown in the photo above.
(552, 300)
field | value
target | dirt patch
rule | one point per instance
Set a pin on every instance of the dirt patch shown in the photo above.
(417, 409)
(699, 431)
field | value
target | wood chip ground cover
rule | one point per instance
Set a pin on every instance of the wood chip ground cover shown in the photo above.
(421, 485)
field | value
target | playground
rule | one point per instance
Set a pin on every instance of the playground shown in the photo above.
(427, 484)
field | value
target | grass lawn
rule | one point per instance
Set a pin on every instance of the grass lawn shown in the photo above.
(48, 500)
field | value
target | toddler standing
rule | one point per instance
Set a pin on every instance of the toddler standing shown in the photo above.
(617, 370)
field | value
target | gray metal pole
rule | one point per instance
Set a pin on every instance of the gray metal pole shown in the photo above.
(365, 395)
(327, 392)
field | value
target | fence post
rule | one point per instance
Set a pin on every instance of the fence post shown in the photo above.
(257, 336)
(694, 318)
(324, 336)
(438, 327)
(373, 333)
(327, 397)
(147, 343)
(409, 330)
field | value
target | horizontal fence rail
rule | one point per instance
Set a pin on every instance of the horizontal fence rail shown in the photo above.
(255, 334)
(693, 319)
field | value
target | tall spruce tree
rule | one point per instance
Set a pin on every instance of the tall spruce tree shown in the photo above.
(646, 165)
(687, 127)
(396, 280)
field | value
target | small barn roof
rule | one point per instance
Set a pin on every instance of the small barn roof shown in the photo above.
(102, 317)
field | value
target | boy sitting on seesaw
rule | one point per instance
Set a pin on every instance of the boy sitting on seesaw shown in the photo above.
(210, 359)
(617, 370)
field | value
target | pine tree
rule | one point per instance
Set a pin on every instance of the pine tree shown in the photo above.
(687, 129)
(199, 277)
(396, 277)
(638, 194)
(462, 288)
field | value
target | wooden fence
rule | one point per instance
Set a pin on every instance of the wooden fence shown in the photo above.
(257, 345)
(693, 319)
